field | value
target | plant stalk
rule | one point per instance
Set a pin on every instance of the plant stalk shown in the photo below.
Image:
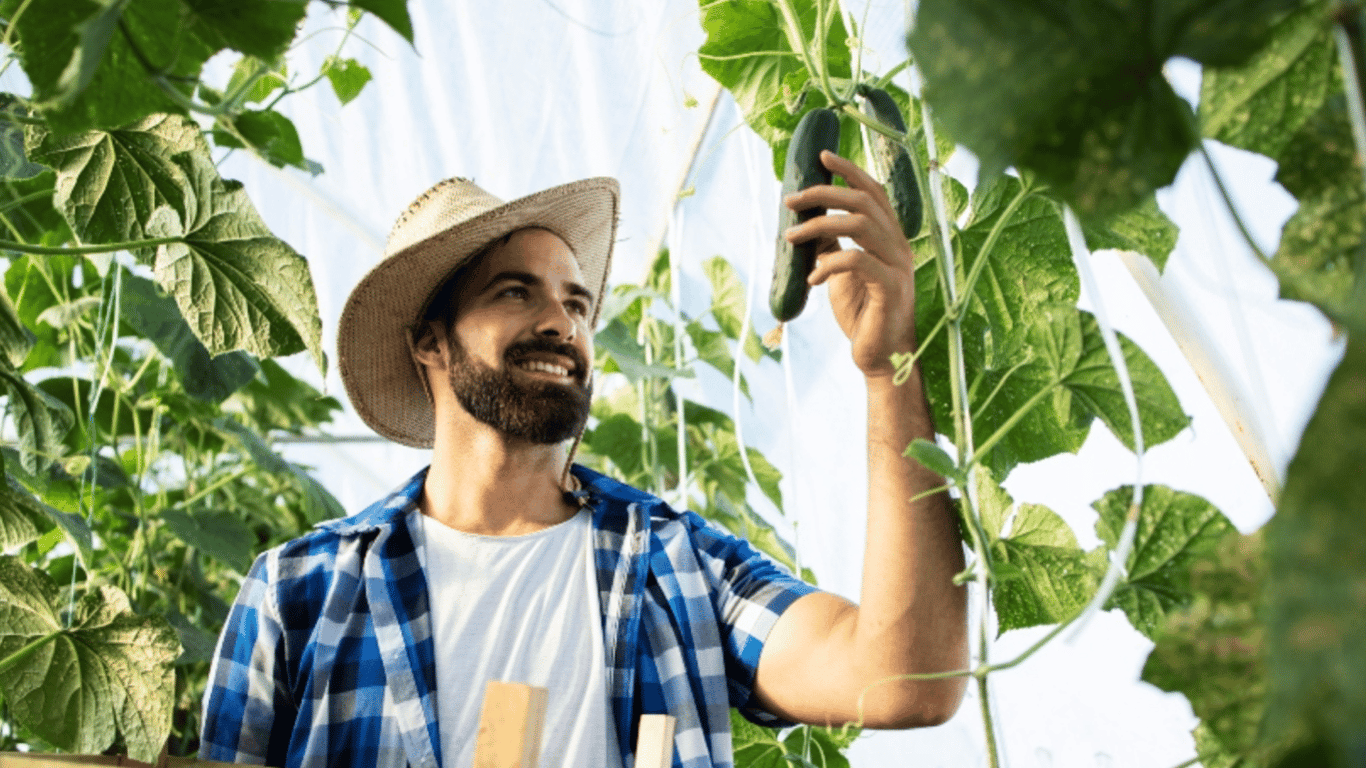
(84, 250)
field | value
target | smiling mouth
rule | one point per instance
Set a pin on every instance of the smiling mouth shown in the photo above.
(544, 367)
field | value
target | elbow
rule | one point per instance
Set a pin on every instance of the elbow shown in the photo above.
(915, 704)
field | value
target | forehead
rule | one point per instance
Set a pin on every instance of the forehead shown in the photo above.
(539, 252)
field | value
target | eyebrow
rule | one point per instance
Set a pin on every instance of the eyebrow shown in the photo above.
(527, 278)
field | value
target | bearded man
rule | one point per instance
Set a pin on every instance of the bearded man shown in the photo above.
(368, 642)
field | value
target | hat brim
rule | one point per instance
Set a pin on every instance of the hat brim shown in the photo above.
(373, 354)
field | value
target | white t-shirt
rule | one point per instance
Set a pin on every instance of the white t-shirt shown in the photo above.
(520, 609)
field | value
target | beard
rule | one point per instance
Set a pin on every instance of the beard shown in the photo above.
(541, 412)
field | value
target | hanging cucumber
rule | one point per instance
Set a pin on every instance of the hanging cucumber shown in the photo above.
(818, 129)
(895, 163)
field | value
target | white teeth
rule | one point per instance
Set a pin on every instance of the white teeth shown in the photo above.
(537, 365)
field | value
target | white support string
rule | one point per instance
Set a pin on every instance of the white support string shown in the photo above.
(676, 296)
(748, 154)
(793, 440)
(1081, 255)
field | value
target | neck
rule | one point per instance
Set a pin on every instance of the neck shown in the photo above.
(481, 482)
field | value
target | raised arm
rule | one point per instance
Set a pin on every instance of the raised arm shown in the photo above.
(826, 653)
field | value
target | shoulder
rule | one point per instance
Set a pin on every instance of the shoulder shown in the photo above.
(300, 569)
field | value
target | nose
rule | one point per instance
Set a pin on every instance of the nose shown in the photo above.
(556, 322)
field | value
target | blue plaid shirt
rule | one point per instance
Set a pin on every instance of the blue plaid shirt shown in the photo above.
(327, 657)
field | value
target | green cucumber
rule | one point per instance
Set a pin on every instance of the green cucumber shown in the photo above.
(895, 163)
(792, 264)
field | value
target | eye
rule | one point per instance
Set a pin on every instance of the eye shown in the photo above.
(515, 292)
(578, 307)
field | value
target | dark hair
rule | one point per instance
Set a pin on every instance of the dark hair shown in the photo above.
(441, 305)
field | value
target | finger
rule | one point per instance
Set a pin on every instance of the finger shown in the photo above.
(841, 198)
(854, 176)
(871, 232)
(857, 262)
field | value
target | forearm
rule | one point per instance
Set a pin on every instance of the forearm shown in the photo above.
(911, 619)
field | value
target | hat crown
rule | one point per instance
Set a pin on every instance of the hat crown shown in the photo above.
(447, 204)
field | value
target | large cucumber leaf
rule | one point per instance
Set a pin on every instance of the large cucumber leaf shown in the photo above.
(77, 685)
(1315, 589)
(220, 534)
(110, 182)
(1259, 105)
(1073, 90)
(237, 285)
(260, 28)
(1176, 531)
(41, 421)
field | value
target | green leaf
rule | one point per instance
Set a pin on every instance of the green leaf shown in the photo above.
(216, 533)
(319, 504)
(391, 12)
(1094, 384)
(95, 34)
(156, 50)
(15, 338)
(1176, 530)
(1321, 258)
(268, 78)
(14, 163)
(747, 51)
(728, 304)
(1321, 157)
(347, 77)
(41, 421)
(713, 350)
(269, 134)
(260, 28)
(617, 341)
(1143, 229)
(29, 215)
(932, 457)
(275, 400)
(825, 746)
(1214, 652)
(618, 438)
(157, 318)
(1258, 106)
(109, 182)
(237, 285)
(78, 686)
(1074, 90)
(20, 519)
(755, 746)
(1315, 589)
(1039, 574)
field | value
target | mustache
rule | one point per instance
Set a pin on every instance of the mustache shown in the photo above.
(521, 349)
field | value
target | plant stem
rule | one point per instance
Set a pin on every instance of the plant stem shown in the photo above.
(962, 416)
(993, 754)
(795, 39)
(971, 281)
(210, 488)
(1228, 203)
(1010, 423)
(82, 250)
(1347, 33)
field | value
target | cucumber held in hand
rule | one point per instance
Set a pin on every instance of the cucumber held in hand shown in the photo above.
(819, 129)
(893, 161)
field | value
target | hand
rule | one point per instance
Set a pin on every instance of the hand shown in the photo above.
(872, 286)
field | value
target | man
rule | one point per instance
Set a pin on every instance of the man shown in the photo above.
(368, 641)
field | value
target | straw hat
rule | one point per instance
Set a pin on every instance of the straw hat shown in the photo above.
(438, 233)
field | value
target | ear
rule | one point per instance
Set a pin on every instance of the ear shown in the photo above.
(429, 346)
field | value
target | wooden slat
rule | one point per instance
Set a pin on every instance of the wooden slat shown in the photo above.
(510, 723)
(655, 741)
